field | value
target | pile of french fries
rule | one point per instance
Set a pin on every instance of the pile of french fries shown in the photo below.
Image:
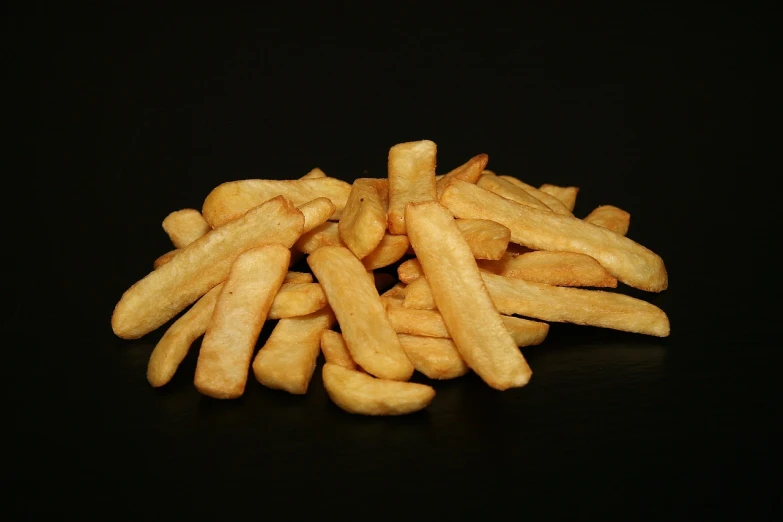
(486, 262)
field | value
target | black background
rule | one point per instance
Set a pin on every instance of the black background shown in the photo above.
(119, 115)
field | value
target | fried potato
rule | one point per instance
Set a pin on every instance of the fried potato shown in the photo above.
(361, 394)
(437, 358)
(611, 218)
(297, 299)
(625, 259)
(200, 266)
(175, 343)
(185, 226)
(463, 300)
(335, 351)
(501, 187)
(366, 329)
(565, 194)
(241, 309)
(554, 204)
(389, 251)
(298, 277)
(397, 292)
(316, 212)
(326, 234)
(165, 258)
(486, 239)
(411, 179)
(553, 268)
(409, 271)
(287, 359)
(468, 172)
(231, 200)
(315, 173)
(418, 295)
(363, 223)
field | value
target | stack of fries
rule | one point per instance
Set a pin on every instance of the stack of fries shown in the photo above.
(482, 250)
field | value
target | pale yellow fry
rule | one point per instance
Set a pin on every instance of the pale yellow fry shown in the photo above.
(326, 234)
(437, 358)
(165, 258)
(567, 195)
(625, 259)
(185, 226)
(501, 187)
(240, 312)
(418, 295)
(409, 271)
(287, 359)
(335, 351)
(315, 173)
(359, 393)
(298, 277)
(390, 301)
(463, 300)
(553, 268)
(554, 204)
(297, 299)
(611, 218)
(411, 179)
(366, 329)
(175, 343)
(316, 212)
(201, 265)
(230, 200)
(389, 251)
(363, 223)
(470, 172)
(486, 239)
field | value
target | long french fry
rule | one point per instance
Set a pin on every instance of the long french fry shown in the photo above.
(297, 299)
(567, 195)
(470, 172)
(554, 204)
(486, 239)
(390, 250)
(363, 223)
(335, 351)
(411, 179)
(316, 212)
(185, 226)
(437, 358)
(501, 187)
(553, 268)
(611, 218)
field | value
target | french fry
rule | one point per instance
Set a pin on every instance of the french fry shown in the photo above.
(389, 251)
(468, 172)
(486, 239)
(437, 358)
(175, 343)
(397, 292)
(625, 259)
(200, 266)
(315, 173)
(241, 309)
(316, 212)
(409, 271)
(554, 204)
(326, 234)
(363, 222)
(185, 226)
(365, 327)
(165, 258)
(335, 351)
(287, 359)
(297, 299)
(501, 187)
(418, 295)
(298, 277)
(231, 200)
(411, 179)
(463, 300)
(567, 195)
(611, 218)
(358, 393)
(553, 268)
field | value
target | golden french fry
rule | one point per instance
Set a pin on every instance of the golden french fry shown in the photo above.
(358, 393)
(298, 277)
(335, 351)
(625, 259)
(463, 300)
(287, 359)
(554, 204)
(409, 271)
(363, 223)
(326, 234)
(390, 250)
(185, 226)
(165, 258)
(470, 172)
(418, 295)
(611, 218)
(567, 195)
(501, 187)
(486, 239)
(370, 338)
(553, 268)
(201, 265)
(241, 309)
(390, 302)
(231, 200)
(175, 343)
(397, 291)
(411, 179)
(437, 358)
(315, 173)
(316, 212)
(297, 299)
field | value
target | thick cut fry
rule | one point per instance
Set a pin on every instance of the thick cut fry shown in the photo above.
(486, 239)
(298, 277)
(409, 271)
(469, 172)
(297, 299)
(553, 268)
(316, 212)
(625, 259)
(390, 302)
(326, 234)
(463, 300)
(363, 223)
(418, 295)
(185, 226)
(231, 200)
(241, 309)
(390, 250)
(437, 358)
(394, 296)
(554, 204)
(165, 258)
(201, 265)
(366, 329)
(567, 195)
(411, 179)
(611, 218)
(361, 394)
(501, 187)
(335, 351)
(287, 359)
(175, 343)
(315, 173)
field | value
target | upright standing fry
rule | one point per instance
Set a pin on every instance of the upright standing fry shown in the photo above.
(185, 226)
(411, 179)
(363, 222)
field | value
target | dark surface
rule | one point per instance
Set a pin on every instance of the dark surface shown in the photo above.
(119, 116)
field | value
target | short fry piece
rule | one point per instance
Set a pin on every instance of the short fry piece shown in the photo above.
(185, 226)
(411, 179)
(390, 250)
(565, 194)
(469, 172)
(418, 295)
(554, 204)
(553, 268)
(501, 187)
(437, 358)
(486, 239)
(316, 212)
(326, 234)
(334, 350)
(165, 258)
(315, 173)
(298, 277)
(297, 299)
(611, 218)
(397, 291)
(361, 394)
(363, 223)
(240, 312)
(409, 271)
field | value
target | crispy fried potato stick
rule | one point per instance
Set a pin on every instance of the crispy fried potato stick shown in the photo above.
(363, 223)
(469, 172)
(201, 265)
(625, 259)
(361, 394)
(554, 204)
(298, 277)
(552, 268)
(565, 194)
(486, 239)
(316, 212)
(611, 218)
(326, 234)
(334, 350)
(241, 309)
(185, 226)
(165, 258)
(463, 300)
(366, 329)
(297, 299)
(390, 250)
(315, 173)
(411, 179)
(501, 187)
(409, 271)
(418, 295)
(437, 358)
